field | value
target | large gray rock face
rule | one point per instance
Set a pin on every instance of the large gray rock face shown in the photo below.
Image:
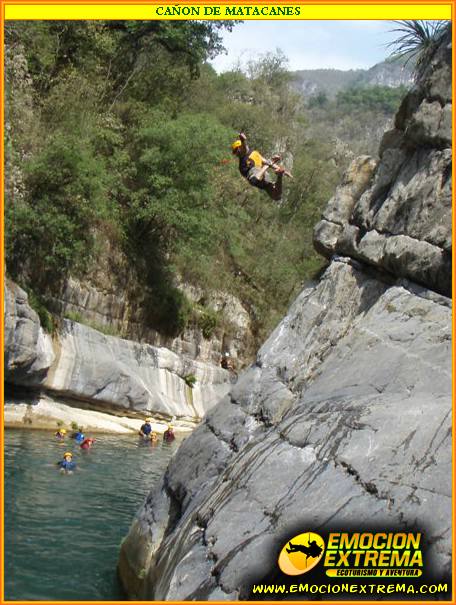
(396, 214)
(345, 417)
(111, 373)
(28, 352)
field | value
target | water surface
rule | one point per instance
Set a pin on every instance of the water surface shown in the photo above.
(63, 532)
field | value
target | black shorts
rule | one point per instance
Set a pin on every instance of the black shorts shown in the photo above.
(259, 183)
(263, 183)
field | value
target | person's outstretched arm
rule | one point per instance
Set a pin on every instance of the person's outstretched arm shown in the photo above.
(243, 139)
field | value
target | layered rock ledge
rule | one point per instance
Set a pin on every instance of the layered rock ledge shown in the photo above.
(113, 375)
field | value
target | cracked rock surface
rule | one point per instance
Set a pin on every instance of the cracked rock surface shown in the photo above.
(344, 418)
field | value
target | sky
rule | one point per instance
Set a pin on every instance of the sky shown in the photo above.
(309, 44)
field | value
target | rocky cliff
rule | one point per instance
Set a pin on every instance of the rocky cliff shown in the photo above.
(396, 214)
(111, 374)
(102, 303)
(391, 73)
(344, 420)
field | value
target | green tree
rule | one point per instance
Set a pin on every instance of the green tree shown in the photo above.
(130, 167)
(52, 234)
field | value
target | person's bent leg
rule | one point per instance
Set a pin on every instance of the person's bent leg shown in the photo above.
(276, 192)
(272, 191)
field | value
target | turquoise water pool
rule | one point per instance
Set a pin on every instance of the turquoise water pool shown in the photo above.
(63, 532)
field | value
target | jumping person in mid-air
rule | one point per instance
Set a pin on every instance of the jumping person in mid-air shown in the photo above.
(253, 166)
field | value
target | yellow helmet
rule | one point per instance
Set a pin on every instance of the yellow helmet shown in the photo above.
(63, 431)
(68, 454)
(236, 144)
(148, 420)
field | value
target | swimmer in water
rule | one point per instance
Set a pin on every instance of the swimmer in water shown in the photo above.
(153, 438)
(67, 465)
(79, 436)
(87, 443)
(169, 435)
(60, 434)
(146, 429)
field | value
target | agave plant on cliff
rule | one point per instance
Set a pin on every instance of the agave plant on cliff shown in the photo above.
(417, 41)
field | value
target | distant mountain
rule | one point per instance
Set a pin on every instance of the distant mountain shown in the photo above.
(391, 73)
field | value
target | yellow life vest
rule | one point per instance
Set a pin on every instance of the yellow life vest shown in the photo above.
(250, 160)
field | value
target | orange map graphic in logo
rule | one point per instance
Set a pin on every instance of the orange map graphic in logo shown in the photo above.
(301, 553)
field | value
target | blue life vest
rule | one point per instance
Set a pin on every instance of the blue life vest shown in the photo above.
(67, 465)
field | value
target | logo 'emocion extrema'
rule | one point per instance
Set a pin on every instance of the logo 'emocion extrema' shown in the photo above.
(301, 553)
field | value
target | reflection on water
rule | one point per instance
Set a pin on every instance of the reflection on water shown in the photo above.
(63, 532)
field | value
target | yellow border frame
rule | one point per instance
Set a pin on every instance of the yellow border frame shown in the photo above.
(155, 11)
(144, 9)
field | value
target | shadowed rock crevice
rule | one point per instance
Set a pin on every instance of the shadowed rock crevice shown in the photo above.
(175, 507)
(370, 487)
